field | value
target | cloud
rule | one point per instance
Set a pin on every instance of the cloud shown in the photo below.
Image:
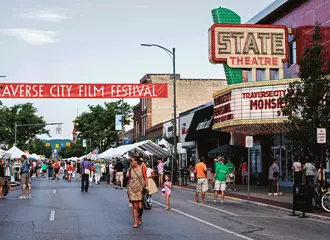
(47, 15)
(33, 36)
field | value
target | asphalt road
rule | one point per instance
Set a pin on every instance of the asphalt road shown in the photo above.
(59, 210)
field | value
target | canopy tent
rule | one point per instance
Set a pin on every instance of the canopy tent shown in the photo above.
(226, 149)
(106, 153)
(16, 152)
(34, 156)
(4, 154)
(143, 146)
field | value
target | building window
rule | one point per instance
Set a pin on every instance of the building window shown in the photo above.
(261, 74)
(274, 74)
(293, 53)
(144, 104)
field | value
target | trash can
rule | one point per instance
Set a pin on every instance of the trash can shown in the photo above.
(302, 197)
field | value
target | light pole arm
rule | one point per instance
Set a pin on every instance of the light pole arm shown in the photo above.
(164, 48)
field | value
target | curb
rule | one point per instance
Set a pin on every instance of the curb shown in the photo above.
(311, 215)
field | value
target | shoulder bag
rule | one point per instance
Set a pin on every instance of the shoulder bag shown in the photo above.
(146, 198)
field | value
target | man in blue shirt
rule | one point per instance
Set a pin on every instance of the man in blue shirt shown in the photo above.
(25, 177)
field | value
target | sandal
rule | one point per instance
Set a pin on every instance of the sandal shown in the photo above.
(135, 225)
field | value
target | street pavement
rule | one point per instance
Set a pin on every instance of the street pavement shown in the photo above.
(59, 210)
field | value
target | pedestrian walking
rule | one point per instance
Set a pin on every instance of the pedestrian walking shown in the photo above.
(2, 178)
(25, 177)
(119, 168)
(297, 171)
(151, 183)
(243, 168)
(92, 171)
(50, 169)
(56, 167)
(69, 169)
(97, 172)
(85, 171)
(273, 176)
(167, 191)
(220, 176)
(202, 183)
(137, 184)
(160, 171)
(309, 170)
(44, 169)
(111, 171)
(231, 177)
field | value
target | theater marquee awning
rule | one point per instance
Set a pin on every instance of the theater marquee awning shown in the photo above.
(251, 108)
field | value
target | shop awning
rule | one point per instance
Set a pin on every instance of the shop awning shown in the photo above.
(147, 145)
(226, 149)
(201, 125)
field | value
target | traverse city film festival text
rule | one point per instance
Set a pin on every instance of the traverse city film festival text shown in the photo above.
(83, 90)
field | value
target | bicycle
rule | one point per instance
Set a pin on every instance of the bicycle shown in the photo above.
(321, 196)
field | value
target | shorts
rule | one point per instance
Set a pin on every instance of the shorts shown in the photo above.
(231, 180)
(44, 171)
(202, 185)
(25, 178)
(56, 170)
(219, 186)
(244, 174)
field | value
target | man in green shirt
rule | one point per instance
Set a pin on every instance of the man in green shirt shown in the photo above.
(220, 176)
(231, 177)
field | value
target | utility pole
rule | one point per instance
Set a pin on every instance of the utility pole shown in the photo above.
(28, 125)
(173, 56)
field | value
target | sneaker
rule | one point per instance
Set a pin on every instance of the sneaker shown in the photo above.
(29, 197)
(22, 197)
(214, 201)
(275, 194)
(221, 201)
(270, 194)
(230, 190)
(235, 190)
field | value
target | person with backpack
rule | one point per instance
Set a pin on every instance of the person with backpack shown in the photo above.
(56, 169)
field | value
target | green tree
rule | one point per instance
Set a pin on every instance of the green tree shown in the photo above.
(24, 113)
(308, 101)
(39, 147)
(98, 124)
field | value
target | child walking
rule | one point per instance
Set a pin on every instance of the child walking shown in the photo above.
(167, 191)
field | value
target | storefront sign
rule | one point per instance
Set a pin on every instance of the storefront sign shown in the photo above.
(249, 46)
(185, 122)
(250, 103)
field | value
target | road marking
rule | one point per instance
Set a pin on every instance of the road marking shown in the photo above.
(205, 222)
(54, 191)
(214, 208)
(52, 215)
(54, 181)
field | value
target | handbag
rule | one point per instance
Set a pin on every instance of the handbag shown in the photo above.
(146, 198)
(87, 171)
(275, 174)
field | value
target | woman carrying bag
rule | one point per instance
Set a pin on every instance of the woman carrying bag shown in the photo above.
(137, 188)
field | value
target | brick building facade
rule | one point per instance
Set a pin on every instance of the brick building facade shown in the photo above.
(190, 93)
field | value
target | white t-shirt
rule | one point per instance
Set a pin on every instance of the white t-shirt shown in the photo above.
(149, 172)
(111, 168)
(297, 166)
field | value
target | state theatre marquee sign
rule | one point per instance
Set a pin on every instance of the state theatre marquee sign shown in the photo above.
(249, 46)
(254, 103)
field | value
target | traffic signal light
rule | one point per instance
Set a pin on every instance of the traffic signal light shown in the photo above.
(47, 145)
(56, 145)
(68, 144)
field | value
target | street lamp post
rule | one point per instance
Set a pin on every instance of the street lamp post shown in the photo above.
(172, 54)
(27, 125)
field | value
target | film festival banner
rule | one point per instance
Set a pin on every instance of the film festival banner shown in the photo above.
(66, 90)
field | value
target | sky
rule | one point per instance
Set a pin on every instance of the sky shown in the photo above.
(98, 41)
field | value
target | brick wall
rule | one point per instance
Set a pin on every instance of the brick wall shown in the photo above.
(302, 19)
(190, 93)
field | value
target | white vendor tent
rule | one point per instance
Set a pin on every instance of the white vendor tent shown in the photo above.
(16, 152)
(141, 147)
(4, 154)
(34, 156)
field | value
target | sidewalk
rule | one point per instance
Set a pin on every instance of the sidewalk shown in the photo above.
(259, 195)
